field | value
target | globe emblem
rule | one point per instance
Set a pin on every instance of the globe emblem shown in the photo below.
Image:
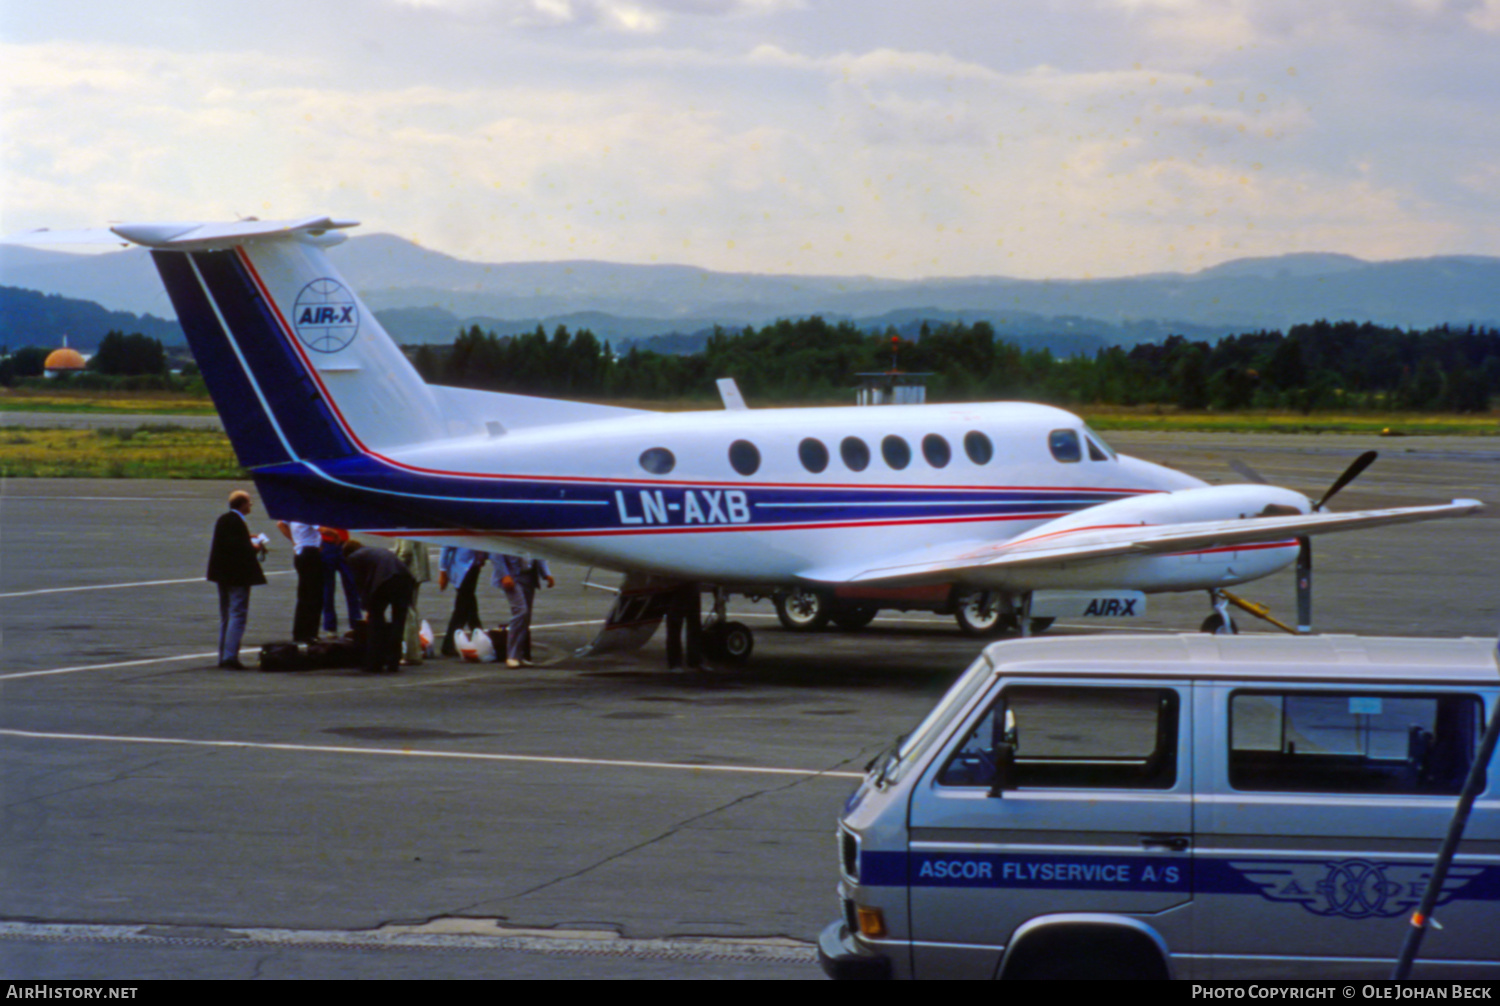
(1357, 889)
(326, 316)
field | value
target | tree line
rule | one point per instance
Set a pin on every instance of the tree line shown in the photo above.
(1323, 365)
(133, 362)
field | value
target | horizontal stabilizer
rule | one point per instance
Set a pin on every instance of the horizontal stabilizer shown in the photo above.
(206, 237)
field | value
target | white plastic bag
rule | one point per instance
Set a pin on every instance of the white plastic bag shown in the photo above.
(484, 647)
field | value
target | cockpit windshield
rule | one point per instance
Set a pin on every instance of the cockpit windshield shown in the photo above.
(1099, 450)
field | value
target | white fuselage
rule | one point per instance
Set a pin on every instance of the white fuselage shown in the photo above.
(734, 497)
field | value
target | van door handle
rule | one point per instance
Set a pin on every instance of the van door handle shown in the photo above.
(1175, 843)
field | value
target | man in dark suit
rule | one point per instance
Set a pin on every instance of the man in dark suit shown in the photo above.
(385, 585)
(234, 564)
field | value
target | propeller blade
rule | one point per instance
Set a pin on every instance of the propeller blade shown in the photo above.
(1350, 474)
(1304, 584)
(1247, 473)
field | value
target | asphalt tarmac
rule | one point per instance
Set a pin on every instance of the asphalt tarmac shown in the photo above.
(584, 818)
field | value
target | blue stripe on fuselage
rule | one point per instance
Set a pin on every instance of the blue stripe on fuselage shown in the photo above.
(361, 491)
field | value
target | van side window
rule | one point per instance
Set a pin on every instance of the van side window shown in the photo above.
(1073, 738)
(1351, 742)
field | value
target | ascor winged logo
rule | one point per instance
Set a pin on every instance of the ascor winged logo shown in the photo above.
(1351, 888)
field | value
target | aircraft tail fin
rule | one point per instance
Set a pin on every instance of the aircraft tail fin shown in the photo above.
(300, 368)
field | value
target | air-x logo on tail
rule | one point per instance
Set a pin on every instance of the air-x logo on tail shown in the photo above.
(326, 316)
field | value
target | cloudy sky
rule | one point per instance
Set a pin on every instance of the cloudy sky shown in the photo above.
(1031, 138)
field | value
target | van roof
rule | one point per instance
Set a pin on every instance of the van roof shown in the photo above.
(1470, 661)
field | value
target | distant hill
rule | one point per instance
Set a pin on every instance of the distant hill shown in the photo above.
(28, 318)
(427, 296)
(121, 281)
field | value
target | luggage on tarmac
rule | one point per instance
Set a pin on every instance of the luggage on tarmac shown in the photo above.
(325, 654)
(285, 657)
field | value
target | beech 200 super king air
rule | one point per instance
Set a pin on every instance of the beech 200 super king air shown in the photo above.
(1013, 502)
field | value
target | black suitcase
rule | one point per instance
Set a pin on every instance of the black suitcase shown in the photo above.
(284, 657)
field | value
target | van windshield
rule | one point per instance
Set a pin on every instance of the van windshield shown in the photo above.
(910, 748)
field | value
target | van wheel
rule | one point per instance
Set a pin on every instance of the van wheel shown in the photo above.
(1213, 622)
(853, 616)
(803, 609)
(1099, 966)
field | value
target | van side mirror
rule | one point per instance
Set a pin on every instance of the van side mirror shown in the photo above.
(1003, 750)
(1005, 769)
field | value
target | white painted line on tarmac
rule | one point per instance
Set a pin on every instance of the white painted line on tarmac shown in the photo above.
(119, 586)
(210, 655)
(450, 755)
(444, 933)
(111, 499)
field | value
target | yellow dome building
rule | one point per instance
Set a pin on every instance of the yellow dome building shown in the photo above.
(63, 361)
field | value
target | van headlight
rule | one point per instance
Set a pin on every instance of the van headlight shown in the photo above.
(849, 854)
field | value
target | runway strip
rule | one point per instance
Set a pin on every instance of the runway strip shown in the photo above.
(450, 755)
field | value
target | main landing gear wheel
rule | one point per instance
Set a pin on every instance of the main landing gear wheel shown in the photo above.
(853, 616)
(803, 609)
(729, 642)
(1214, 626)
(979, 614)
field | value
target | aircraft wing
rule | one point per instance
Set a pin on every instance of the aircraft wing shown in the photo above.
(1084, 545)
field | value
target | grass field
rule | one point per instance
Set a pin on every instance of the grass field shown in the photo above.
(1391, 423)
(161, 403)
(166, 451)
(145, 452)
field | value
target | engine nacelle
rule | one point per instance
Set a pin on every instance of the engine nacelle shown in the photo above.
(1199, 569)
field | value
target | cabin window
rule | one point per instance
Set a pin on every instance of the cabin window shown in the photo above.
(856, 454)
(978, 447)
(658, 460)
(896, 451)
(813, 454)
(936, 450)
(1064, 445)
(744, 457)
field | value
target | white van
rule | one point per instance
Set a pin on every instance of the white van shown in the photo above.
(1190, 806)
